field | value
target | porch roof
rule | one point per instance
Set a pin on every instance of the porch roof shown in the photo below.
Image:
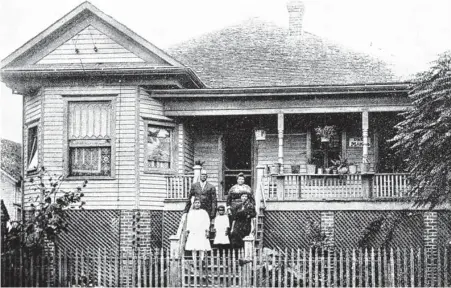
(305, 90)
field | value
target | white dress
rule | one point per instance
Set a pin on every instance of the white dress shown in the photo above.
(198, 223)
(221, 225)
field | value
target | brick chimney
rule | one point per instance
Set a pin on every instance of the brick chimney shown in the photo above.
(296, 11)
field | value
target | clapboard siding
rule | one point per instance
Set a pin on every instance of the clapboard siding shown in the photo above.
(108, 50)
(117, 193)
(152, 186)
(206, 148)
(294, 151)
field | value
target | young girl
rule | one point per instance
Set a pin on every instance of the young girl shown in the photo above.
(222, 229)
(197, 227)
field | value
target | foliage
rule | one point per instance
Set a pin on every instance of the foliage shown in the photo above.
(47, 216)
(11, 155)
(199, 163)
(326, 131)
(340, 162)
(424, 135)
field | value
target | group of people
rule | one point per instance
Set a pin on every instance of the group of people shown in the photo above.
(231, 224)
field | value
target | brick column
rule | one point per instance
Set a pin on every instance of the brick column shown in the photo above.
(430, 245)
(328, 228)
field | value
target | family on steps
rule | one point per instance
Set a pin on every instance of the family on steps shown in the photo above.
(231, 224)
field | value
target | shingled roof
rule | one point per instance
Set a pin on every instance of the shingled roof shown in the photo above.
(11, 158)
(258, 53)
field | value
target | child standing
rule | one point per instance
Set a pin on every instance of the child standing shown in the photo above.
(197, 227)
(222, 229)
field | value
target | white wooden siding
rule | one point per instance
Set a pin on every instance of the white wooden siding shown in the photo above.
(294, 151)
(206, 148)
(118, 193)
(152, 186)
(107, 50)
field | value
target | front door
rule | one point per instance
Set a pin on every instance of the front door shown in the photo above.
(237, 157)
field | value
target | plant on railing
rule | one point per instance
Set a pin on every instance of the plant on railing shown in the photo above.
(326, 132)
(47, 215)
(341, 165)
(199, 163)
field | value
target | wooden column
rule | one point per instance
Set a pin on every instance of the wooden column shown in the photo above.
(280, 127)
(260, 187)
(197, 169)
(364, 166)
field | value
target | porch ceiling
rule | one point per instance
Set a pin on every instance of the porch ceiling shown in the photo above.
(288, 100)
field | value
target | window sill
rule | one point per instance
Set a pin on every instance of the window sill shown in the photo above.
(160, 171)
(78, 178)
(32, 173)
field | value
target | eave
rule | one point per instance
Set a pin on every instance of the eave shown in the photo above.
(309, 90)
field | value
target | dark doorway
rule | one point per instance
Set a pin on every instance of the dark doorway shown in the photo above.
(237, 156)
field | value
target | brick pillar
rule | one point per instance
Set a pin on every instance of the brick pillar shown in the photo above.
(328, 228)
(430, 245)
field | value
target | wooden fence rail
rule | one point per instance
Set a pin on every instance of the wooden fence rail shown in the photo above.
(394, 267)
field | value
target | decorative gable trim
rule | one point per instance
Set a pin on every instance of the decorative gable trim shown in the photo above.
(46, 36)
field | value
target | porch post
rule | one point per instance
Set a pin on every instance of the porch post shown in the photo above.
(260, 187)
(280, 126)
(364, 166)
(197, 169)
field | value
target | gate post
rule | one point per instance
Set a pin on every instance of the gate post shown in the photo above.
(175, 268)
(247, 261)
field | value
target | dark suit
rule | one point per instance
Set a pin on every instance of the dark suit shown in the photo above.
(207, 197)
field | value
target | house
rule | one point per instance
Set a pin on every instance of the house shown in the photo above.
(11, 179)
(104, 104)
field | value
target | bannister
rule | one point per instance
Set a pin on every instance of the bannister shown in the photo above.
(386, 185)
(178, 186)
(329, 186)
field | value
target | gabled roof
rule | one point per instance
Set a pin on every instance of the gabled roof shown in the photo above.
(257, 53)
(87, 14)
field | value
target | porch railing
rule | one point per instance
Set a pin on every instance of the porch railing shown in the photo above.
(178, 186)
(387, 185)
(327, 186)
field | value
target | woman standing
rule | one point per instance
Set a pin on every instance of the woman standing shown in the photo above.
(242, 221)
(234, 196)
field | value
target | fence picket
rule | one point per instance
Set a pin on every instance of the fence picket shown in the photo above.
(439, 268)
(392, 268)
(379, 267)
(353, 268)
(348, 265)
(316, 268)
(273, 262)
(445, 268)
(304, 268)
(292, 269)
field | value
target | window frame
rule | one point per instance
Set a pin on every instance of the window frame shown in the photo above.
(33, 125)
(173, 163)
(91, 142)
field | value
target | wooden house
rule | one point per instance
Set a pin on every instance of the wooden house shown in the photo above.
(104, 104)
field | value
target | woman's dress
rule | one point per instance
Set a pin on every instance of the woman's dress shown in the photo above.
(243, 216)
(234, 196)
(197, 225)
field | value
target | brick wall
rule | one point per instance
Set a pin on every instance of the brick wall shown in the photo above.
(430, 244)
(328, 227)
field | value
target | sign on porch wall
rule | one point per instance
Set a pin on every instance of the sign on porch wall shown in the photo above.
(358, 142)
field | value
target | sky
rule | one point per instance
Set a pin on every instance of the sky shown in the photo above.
(406, 34)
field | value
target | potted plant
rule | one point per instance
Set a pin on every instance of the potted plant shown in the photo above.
(352, 168)
(327, 170)
(341, 165)
(320, 170)
(295, 169)
(311, 167)
(326, 132)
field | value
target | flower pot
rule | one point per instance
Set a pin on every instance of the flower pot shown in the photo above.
(327, 170)
(325, 139)
(352, 169)
(275, 169)
(320, 171)
(334, 171)
(343, 170)
(295, 169)
(311, 168)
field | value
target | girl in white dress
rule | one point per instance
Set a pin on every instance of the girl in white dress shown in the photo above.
(222, 226)
(198, 226)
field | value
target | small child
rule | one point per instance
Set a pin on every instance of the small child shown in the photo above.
(197, 226)
(222, 226)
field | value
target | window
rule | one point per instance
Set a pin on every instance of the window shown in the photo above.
(324, 152)
(159, 147)
(90, 138)
(32, 149)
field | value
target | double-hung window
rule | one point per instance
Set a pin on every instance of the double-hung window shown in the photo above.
(90, 137)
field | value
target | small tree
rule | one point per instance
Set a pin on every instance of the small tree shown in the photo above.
(424, 136)
(47, 215)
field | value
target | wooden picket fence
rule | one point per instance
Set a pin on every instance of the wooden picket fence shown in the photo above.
(407, 267)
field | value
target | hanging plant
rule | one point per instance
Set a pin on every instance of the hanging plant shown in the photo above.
(326, 132)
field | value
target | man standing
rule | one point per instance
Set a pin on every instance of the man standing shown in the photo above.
(206, 193)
